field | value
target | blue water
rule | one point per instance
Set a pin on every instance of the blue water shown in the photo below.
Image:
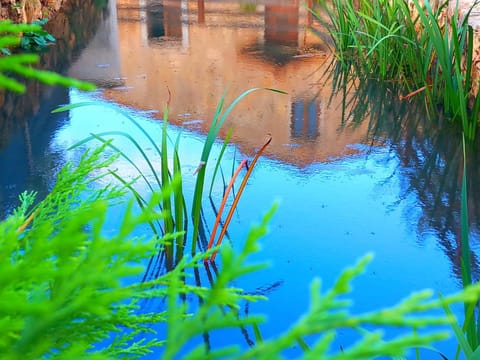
(342, 193)
(330, 215)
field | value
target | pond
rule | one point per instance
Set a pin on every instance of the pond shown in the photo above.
(354, 172)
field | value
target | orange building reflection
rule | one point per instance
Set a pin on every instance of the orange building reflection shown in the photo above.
(281, 23)
(164, 19)
(229, 45)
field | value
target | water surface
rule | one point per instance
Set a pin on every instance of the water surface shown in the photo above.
(354, 172)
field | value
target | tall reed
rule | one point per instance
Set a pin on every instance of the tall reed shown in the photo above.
(176, 219)
(449, 78)
(217, 122)
(429, 55)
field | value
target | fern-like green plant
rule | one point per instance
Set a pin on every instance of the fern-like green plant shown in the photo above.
(62, 285)
(37, 41)
(64, 292)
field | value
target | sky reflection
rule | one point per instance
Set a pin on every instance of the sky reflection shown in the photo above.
(331, 213)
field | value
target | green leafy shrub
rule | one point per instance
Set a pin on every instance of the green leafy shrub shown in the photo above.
(37, 40)
(20, 64)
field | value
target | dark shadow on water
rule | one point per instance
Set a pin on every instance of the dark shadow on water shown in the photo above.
(430, 161)
(26, 125)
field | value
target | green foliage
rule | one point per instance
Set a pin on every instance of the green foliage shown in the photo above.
(62, 288)
(64, 293)
(21, 64)
(101, 4)
(177, 221)
(60, 285)
(37, 40)
(381, 39)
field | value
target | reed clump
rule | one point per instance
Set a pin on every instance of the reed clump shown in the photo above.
(412, 44)
(183, 223)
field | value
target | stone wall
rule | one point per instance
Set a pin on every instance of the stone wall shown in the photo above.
(28, 10)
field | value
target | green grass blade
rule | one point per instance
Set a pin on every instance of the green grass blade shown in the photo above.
(100, 138)
(467, 279)
(211, 136)
(179, 203)
(167, 205)
(457, 330)
(219, 159)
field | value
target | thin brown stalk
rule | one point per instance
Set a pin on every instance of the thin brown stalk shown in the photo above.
(237, 198)
(224, 201)
(26, 223)
(413, 93)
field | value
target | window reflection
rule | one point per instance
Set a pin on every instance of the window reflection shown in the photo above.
(164, 19)
(155, 24)
(304, 118)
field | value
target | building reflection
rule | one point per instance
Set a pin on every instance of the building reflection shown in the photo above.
(155, 21)
(281, 23)
(304, 119)
(164, 19)
(228, 45)
(201, 11)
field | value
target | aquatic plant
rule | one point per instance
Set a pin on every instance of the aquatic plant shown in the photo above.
(449, 79)
(20, 63)
(427, 54)
(178, 219)
(377, 38)
(235, 200)
(217, 122)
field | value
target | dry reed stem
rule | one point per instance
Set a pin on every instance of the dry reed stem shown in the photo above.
(237, 198)
(224, 201)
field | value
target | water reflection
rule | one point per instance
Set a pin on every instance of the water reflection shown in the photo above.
(340, 198)
(164, 18)
(281, 23)
(235, 46)
(430, 164)
(331, 213)
(305, 115)
(26, 125)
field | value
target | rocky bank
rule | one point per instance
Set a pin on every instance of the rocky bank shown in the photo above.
(28, 10)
